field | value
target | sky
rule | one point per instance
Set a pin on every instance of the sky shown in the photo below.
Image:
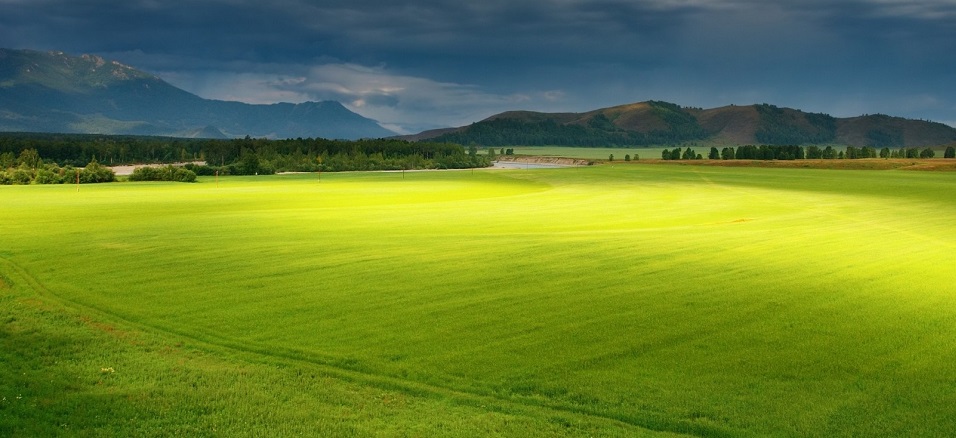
(416, 65)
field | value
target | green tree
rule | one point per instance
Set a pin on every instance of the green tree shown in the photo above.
(829, 153)
(29, 158)
(746, 152)
(851, 153)
(610, 157)
(248, 163)
(885, 153)
(714, 154)
(950, 152)
(627, 157)
(927, 153)
(7, 160)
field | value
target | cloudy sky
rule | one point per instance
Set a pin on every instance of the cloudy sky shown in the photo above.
(423, 64)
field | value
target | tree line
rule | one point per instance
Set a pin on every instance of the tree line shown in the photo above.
(791, 152)
(20, 155)
(29, 168)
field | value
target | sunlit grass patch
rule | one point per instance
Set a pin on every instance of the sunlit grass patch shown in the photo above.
(709, 301)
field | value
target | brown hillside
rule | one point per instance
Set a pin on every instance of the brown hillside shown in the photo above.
(871, 130)
(638, 117)
(730, 124)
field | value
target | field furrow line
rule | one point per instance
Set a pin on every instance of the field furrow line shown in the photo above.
(21, 277)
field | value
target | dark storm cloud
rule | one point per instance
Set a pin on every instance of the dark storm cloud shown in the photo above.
(436, 62)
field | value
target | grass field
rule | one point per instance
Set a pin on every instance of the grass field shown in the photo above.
(596, 301)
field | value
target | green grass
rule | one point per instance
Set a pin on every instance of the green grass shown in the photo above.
(588, 301)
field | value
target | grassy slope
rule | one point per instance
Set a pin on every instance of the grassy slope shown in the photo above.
(75, 373)
(704, 300)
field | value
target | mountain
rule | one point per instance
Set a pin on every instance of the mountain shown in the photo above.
(56, 92)
(662, 123)
(208, 131)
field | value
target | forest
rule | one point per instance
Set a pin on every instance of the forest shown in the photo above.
(778, 126)
(26, 158)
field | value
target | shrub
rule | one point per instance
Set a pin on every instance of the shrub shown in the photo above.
(168, 173)
(202, 170)
(144, 174)
(20, 176)
(185, 175)
(96, 173)
(46, 176)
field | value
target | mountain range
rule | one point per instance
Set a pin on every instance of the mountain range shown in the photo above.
(56, 92)
(663, 123)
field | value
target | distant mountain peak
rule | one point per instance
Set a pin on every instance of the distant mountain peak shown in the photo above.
(59, 71)
(207, 131)
(56, 92)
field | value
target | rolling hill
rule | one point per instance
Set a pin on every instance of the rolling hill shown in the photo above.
(663, 123)
(56, 92)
